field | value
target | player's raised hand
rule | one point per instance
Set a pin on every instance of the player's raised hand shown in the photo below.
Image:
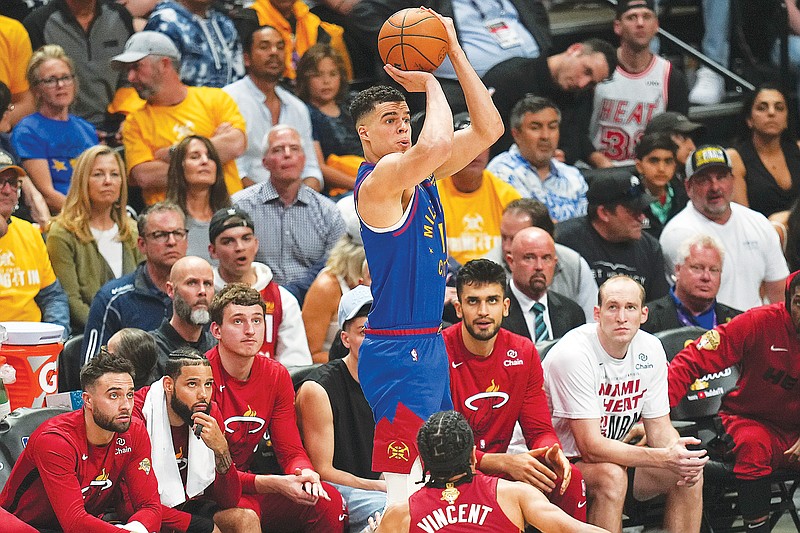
(448, 24)
(413, 81)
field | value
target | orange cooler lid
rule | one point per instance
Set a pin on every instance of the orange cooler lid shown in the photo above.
(32, 333)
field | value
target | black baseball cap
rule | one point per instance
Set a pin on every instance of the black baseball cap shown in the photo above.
(707, 156)
(673, 122)
(620, 187)
(627, 5)
(228, 217)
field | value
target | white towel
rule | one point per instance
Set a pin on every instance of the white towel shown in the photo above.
(201, 469)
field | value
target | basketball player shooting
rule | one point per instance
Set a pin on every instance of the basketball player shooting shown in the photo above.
(402, 363)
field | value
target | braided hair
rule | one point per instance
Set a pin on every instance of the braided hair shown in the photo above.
(445, 445)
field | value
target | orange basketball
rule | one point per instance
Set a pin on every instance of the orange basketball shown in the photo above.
(413, 39)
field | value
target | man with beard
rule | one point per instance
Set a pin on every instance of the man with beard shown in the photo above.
(71, 471)
(536, 312)
(191, 287)
(531, 165)
(191, 459)
(171, 112)
(496, 381)
(264, 103)
(754, 268)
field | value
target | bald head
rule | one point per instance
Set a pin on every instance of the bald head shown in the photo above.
(189, 266)
(532, 261)
(191, 287)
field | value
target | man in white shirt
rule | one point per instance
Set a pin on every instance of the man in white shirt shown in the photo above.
(264, 103)
(754, 264)
(600, 379)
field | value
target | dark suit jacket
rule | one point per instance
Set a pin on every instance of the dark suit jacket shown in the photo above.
(564, 315)
(664, 315)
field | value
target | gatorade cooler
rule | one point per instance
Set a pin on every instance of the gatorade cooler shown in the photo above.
(32, 348)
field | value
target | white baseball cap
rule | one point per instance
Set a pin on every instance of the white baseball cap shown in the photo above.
(352, 302)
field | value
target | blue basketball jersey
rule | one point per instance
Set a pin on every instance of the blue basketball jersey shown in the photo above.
(407, 262)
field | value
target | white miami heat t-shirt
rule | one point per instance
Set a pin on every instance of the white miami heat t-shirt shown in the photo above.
(583, 382)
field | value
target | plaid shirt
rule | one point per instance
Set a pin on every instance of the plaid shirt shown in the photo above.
(292, 238)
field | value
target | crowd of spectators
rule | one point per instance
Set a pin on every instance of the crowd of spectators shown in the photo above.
(153, 154)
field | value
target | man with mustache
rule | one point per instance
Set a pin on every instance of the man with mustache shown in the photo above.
(496, 382)
(265, 103)
(71, 470)
(191, 457)
(191, 287)
(530, 165)
(172, 111)
(536, 312)
(610, 236)
(754, 264)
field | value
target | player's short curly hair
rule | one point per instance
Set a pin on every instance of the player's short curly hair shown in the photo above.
(234, 293)
(445, 443)
(104, 363)
(366, 100)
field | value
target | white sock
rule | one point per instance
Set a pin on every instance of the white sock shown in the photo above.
(400, 486)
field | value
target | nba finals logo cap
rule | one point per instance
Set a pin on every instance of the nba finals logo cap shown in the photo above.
(710, 155)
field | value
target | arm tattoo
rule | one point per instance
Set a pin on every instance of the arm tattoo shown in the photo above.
(223, 462)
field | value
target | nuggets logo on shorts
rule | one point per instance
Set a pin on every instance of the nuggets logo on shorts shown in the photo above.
(709, 341)
(450, 494)
(398, 451)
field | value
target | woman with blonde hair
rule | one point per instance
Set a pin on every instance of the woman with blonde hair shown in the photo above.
(93, 240)
(344, 270)
(48, 140)
(195, 182)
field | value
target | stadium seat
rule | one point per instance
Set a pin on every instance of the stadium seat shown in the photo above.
(69, 365)
(14, 432)
(701, 405)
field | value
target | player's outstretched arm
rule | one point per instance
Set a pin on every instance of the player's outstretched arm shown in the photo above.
(523, 504)
(486, 123)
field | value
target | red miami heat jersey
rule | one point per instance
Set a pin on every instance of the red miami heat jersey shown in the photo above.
(250, 408)
(86, 479)
(495, 392)
(461, 508)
